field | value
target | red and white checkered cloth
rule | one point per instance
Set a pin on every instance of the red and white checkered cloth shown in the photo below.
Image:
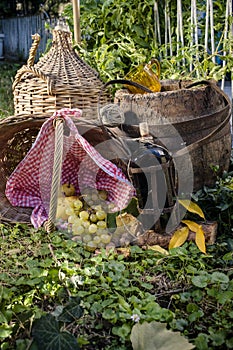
(30, 183)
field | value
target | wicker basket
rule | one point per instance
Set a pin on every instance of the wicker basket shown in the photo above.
(60, 79)
(17, 134)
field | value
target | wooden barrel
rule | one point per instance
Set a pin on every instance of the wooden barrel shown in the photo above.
(195, 114)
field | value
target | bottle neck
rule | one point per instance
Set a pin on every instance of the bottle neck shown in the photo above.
(144, 133)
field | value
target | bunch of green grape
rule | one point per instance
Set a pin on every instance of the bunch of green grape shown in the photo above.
(87, 218)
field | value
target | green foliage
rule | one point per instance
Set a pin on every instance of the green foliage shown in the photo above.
(217, 203)
(117, 35)
(54, 294)
(47, 335)
(7, 74)
(53, 291)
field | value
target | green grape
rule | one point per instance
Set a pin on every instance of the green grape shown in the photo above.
(77, 222)
(100, 231)
(110, 245)
(86, 190)
(86, 238)
(105, 238)
(95, 197)
(101, 224)
(77, 204)
(97, 207)
(77, 230)
(90, 203)
(92, 228)
(91, 246)
(103, 194)
(69, 211)
(85, 223)
(84, 215)
(101, 215)
(87, 197)
(93, 217)
(97, 239)
(72, 218)
(101, 245)
(111, 207)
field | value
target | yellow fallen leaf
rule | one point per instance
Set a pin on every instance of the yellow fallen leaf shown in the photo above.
(179, 237)
(193, 226)
(159, 249)
(192, 207)
(200, 236)
(200, 240)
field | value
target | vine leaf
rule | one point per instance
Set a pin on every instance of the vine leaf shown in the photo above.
(192, 207)
(156, 336)
(72, 311)
(47, 335)
(179, 237)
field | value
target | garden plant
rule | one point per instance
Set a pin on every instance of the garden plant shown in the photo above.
(57, 295)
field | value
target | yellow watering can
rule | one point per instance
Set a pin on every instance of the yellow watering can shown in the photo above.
(147, 75)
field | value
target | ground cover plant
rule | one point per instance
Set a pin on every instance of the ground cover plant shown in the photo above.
(54, 294)
(7, 74)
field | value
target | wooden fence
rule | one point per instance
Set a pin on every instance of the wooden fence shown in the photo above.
(18, 33)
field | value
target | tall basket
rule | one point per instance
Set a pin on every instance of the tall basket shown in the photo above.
(60, 79)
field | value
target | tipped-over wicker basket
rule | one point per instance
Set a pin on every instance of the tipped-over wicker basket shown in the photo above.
(60, 79)
(17, 136)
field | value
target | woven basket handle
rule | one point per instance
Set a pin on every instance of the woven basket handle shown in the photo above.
(32, 52)
(56, 176)
(30, 69)
(26, 69)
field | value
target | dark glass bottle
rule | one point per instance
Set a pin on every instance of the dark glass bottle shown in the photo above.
(153, 176)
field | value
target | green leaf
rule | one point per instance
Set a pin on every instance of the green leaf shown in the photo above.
(200, 281)
(218, 337)
(122, 331)
(72, 311)
(47, 335)
(201, 341)
(155, 336)
(2, 318)
(110, 314)
(5, 331)
(229, 343)
(193, 317)
(224, 297)
(111, 220)
(132, 207)
(219, 277)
